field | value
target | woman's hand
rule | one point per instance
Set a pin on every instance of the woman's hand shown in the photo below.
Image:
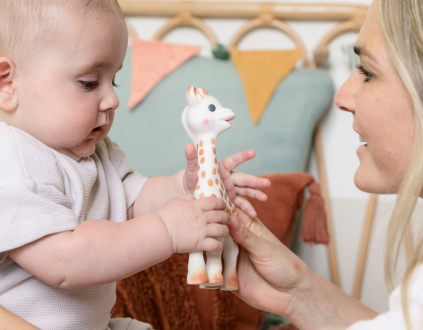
(237, 185)
(269, 274)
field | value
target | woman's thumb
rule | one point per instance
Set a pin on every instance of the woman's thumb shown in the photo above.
(243, 235)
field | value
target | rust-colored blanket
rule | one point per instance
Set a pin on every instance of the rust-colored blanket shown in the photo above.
(160, 296)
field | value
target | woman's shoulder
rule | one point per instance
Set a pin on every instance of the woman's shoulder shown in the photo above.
(394, 317)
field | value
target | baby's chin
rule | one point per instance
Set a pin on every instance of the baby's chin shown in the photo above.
(84, 150)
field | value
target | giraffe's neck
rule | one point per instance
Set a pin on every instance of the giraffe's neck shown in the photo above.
(209, 181)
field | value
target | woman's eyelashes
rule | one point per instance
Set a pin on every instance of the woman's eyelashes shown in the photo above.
(364, 72)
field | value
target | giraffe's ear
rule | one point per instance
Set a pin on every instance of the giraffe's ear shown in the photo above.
(194, 97)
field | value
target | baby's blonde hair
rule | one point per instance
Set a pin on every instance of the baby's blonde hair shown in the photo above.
(26, 24)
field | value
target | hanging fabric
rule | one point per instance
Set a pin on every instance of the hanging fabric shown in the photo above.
(261, 72)
(151, 62)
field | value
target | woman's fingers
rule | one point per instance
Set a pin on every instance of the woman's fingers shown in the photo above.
(216, 230)
(254, 225)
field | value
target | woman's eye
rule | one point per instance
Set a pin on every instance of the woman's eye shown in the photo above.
(364, 72)
(89, 85)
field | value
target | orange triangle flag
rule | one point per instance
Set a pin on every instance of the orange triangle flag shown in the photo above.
(151, 62)
(261, 72)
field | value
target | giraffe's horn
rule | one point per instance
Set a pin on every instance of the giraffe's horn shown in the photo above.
(202, 91)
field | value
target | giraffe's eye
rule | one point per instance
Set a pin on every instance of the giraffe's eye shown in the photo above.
(212, 107)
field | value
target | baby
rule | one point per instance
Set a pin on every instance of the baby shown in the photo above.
(58, 169)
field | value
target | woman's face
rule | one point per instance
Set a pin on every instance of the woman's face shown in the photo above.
(383, 113)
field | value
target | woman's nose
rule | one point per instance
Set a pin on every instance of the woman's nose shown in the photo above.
(345, 99)
(110, 101)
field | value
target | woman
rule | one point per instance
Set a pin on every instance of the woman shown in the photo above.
(385, 96)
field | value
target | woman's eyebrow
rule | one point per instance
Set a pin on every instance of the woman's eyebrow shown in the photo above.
(361, 51)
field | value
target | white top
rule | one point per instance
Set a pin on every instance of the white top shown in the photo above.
(394, 318)
(44, 192)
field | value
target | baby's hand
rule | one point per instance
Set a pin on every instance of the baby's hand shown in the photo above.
(237, 185)
(193, 224)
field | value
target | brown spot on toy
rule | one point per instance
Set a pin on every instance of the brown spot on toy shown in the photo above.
(221, 193)
(212, 195)
(198, 167)
(234, 210)
(217, 182)
(215, 160)
(201, 143)
(201, 152)
(201, 195)
(203, 174)
(202, 160)
(210, 183)
(198, 187)
(214, 150)
(221, 184)
(214, 171)
(230, 203)
(218, 171)
(212, 141)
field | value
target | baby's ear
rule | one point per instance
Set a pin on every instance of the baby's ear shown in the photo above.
(8, 97)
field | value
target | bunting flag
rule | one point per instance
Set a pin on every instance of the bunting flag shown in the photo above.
(151, 62)
(261, 72)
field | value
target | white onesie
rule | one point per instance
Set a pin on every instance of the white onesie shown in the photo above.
(43, 192)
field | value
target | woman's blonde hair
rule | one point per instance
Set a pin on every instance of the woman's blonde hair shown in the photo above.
(402, 26)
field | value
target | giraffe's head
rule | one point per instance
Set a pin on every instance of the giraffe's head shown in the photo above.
(204, 114)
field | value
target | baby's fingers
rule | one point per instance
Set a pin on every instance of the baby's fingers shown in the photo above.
(212, 245)
(253, 193)
(208, 204)
(218, 217)
(216, 230)
(246, 180)
(246, 206)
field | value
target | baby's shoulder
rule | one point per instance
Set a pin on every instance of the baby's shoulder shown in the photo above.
(24, 157)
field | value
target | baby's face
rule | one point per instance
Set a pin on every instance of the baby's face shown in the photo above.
(68, 92)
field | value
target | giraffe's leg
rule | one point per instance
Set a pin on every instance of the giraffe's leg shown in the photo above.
(230, 255)
(197, 273)
(214, 267)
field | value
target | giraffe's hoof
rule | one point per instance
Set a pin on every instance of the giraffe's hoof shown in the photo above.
(215, 279)
(209, 287)
(197, 278)
(231, 283)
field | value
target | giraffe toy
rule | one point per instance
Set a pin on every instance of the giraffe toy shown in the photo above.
(204, 119)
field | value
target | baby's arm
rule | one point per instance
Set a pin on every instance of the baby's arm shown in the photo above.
(100, 251)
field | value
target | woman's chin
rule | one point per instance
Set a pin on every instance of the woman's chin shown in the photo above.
(365, 181)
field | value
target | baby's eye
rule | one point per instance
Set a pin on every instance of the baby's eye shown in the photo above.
(89, 85)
